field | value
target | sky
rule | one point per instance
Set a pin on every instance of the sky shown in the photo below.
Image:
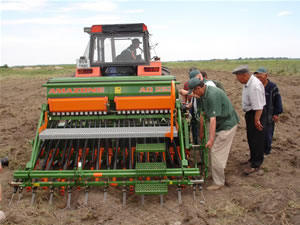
(38, 32)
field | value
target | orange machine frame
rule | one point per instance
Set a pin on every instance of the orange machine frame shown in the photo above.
(149, 103)
(77, 104)
(142, 102)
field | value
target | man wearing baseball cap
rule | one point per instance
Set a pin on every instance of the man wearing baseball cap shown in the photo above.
(222, 127)
(273, 107)
(129, 54)
(192, 102)
(253, 102)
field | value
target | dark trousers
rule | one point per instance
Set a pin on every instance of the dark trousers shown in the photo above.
(195, 131)
(269, 131)
(256, 139)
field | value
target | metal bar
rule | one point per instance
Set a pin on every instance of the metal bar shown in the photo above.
(183, 159)
(104, 173)
(36, 143)
(105, 84)
(101, 183)
(111, 117)
(109, 79)
(85, 148)
(186, 134)
(108, 133)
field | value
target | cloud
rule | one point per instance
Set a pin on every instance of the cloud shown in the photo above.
(133, 11)
(98, 6)
(22, 5)
(244, 10)
(284, 13)
(63, 20)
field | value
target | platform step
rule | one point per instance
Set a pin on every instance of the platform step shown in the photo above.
(151, 188)
(151, 169)
(158, 147)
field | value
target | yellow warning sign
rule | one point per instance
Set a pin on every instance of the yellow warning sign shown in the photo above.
(118, 90)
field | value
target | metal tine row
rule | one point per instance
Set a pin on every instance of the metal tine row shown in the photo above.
(124, 193)
(49, 146)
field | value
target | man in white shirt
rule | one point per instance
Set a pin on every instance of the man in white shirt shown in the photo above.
(253, 101)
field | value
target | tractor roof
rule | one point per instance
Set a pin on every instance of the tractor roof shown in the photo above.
(117, 28)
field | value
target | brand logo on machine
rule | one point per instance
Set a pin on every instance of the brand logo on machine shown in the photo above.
(155, 89)
(75, 90)
(118, 90)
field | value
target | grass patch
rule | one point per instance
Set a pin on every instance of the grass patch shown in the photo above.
(281, 67)
(37, 71)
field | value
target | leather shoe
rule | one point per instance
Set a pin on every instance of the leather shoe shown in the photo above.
(214, 187)
(250, 170)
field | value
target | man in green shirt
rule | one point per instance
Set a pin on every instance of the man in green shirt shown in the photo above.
(223, 124)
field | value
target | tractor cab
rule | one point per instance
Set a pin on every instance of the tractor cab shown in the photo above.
(117, 50)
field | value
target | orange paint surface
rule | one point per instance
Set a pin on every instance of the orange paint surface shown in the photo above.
(77, 104)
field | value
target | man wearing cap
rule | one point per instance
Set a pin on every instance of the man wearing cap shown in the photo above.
(192, 104)
(273, 107)
(253, 102)
(129, 54)
(223, 124)
(217, 83)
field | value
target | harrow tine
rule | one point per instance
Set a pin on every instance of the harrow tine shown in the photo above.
(200, 189)
(105, 194)
(194, 192)
(86, 196)
(51, 195)
(69, 198)
(142, 199)
(124, 196)
(179, 195)
(33, 196)
(20, 195)
(12, 197)
(161, 197)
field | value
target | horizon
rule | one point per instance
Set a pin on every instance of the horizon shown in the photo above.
(45, 32)
(174, 61)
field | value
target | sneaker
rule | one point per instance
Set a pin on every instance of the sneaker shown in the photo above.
(214, 187)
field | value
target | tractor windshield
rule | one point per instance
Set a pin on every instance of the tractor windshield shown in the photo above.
(118, 50)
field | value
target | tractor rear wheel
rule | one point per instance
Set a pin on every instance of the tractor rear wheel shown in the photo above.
(165, 71)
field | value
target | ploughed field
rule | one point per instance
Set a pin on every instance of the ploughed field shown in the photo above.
(269, 197)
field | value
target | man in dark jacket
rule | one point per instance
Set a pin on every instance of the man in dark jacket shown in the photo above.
(273, 106)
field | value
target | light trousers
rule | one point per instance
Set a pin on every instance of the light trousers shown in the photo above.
(219, 154)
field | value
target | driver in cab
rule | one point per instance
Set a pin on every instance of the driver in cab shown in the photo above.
(129, 54)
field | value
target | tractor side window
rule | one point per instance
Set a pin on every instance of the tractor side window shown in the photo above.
(98, 49)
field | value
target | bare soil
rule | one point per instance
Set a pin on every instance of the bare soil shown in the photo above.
(269, 197)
